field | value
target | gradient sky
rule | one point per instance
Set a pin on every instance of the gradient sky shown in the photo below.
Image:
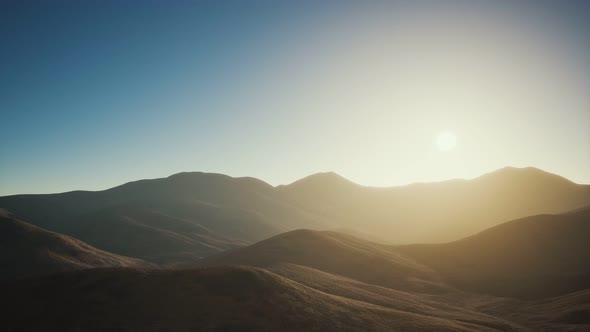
(97, 93)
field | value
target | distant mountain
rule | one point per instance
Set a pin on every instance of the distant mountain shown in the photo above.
(197, 195)
(212, 299)
(327, 186)
(439, 211)
(150, 234)
(532, 257)
(27, 250)
(187, 216)
(176, 219)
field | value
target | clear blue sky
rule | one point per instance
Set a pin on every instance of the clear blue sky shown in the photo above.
(98, 93)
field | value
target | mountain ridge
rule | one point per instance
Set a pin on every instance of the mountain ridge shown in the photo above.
(244, 210)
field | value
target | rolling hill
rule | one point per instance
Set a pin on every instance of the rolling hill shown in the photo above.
(187, 216)
(27, 250)
(150, 235)
(439, 211)
(312, 280)
(176, 219)
(335, 253)
(211, 299)
(532, 257)
(521, 273)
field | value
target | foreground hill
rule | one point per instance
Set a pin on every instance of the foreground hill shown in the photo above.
(524, 261)
(439, 211)
(312, 280)
(536, 256)
(27, 250)
(336, 253)
(212, 299)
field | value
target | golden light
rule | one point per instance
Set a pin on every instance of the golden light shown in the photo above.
(446, 141)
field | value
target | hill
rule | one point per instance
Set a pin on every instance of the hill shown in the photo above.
(335, 253)
(212, 299)
(439, 211)
(27, 250)
(503, 278)
(187, 216)
(150, 235)
(328, 281)
(532, 257)
(176, 219)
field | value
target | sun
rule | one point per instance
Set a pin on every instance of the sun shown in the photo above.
(446, 141)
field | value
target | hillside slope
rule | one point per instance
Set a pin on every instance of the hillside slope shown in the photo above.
(186, 216)
(150, 235)
(336, 253)
(176, 219)
(438, 211)
(537, 256)
(212, 299)
(27, 250)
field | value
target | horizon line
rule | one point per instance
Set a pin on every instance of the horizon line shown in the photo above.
(308, 176)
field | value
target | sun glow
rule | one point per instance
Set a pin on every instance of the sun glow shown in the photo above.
(446, 141)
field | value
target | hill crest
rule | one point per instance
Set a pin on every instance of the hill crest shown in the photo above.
(27, 250)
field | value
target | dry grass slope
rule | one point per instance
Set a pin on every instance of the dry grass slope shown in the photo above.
(210, 299)
(533, 257)
(27, 250)
(339, 254)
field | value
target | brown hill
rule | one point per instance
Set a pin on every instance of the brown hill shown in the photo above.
(150, 235)
(439, 211)
(212, 299)
(538, 256)
(418, 303)
(570, 312)
(335, 253)
(320, 280)
(27, 250)
(176, 219)
(191, 215)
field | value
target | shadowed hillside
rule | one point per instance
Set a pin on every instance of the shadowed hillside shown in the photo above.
(565, 312)
(151, 235)
(212, 299)
(311, 280)
(335, 253)
(180, 218)
(188, 216)
(535, 257)
(27, 250)
(386, 297)
(530, 258)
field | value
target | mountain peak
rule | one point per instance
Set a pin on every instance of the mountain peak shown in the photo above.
(511, 173)
(322, 179)
(197, 176)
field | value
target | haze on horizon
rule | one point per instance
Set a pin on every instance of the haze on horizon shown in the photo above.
(95, 94)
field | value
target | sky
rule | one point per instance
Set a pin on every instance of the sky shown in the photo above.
(94, 94)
